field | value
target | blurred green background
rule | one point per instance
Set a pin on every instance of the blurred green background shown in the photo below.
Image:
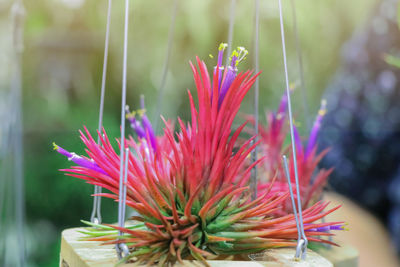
(62, 66)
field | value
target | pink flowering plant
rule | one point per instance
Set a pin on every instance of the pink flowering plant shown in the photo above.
(190, 186)
(311, 179)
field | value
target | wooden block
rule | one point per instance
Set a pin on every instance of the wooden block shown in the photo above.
(77, 253)
(343, 256)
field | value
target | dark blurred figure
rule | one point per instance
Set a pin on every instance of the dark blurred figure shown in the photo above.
(363, 123)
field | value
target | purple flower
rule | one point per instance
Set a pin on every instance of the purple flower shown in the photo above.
(278, 118)
(227, 75)
(328, 228)
(220, 67)
(297, 140)
(149, 130)
(143, 128)
(312, 141)
(282, 107)
(221, 50)
(283, 104)
(135, 124)
(81, 161)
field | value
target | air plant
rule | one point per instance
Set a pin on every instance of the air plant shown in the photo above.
(311, 179)
(191, 192)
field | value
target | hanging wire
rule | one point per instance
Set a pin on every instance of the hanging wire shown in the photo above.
(303, 88)
(121, 248)
(125, 180)
(171, 34)
(253, 178)
(287, 174)
(296, 175)
(301, 67)
(121, 219)
(96, 211)
(230, 29)
(301, 237)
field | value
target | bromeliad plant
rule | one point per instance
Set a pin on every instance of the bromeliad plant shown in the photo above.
(311, 180)
(191, 192)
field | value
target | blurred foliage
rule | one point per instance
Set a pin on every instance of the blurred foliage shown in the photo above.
(391, 60)
(363, 125)
(62, 75)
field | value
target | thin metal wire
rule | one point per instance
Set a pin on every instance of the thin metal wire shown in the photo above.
(96, 211)
(253, 178)
(126, 162)
(301, 239)
(291, 127)
(287, 174)
(122, 248)
(160, 97)
(121, 207)
(230, 29)
(301, 67)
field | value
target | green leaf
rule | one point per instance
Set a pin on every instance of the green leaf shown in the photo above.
(392, 60)
(315, 246)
